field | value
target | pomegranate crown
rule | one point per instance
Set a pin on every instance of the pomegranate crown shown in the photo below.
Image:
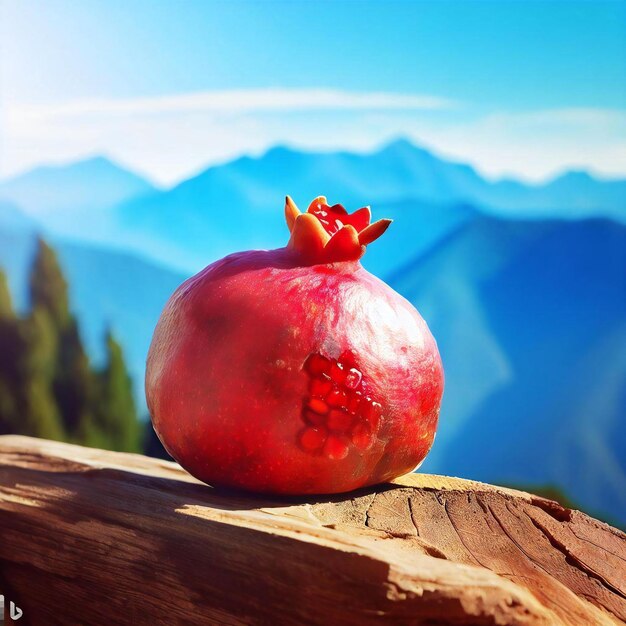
(328, 234)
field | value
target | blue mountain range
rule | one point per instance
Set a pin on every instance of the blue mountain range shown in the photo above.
(530, 318)
(88, 185)
(523, 286)
(237, 205)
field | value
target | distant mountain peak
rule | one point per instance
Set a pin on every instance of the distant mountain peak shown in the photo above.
(279, 149)
(574, 176)
(400, 143)
(90, 165)
(404, 149)
(96, 181)
(282, 152)
(99, 160)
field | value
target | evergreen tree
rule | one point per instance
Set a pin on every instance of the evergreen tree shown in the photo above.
(6, 307)
(116, 413)
(47, 385)
(39, 413)
(72, 380)
(48, 288)
(9, 351)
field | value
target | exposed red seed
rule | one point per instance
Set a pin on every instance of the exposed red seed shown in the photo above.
(316, 364)
(338, 373)
(320, 386)
(355, 401)
(336, 447)
(347, 359)
(339, 420)
(362, 436)
(336, 403)
(371, 412)
(312, 438)
(318, 406)
(337, 398)
(314, 418)
(353, 378)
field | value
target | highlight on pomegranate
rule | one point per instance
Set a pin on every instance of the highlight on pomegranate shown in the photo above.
(227, 400)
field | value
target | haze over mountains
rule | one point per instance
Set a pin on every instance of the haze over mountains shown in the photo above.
(200, 219)
(523, 286)
(88, 185)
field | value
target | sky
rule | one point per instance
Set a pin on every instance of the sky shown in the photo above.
(523, 89)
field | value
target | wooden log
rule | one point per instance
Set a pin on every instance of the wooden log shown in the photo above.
(92, 537)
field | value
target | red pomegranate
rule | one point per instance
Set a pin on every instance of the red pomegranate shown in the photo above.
(295, 370)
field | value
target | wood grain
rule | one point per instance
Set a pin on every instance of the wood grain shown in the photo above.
(92, 537)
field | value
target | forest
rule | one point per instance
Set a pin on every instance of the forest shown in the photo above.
(48, 385)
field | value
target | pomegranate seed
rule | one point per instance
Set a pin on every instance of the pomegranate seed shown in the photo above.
(339, 420)
(336, 447)
(347, 359)
(316, 364)
(318, 406)
(337, 373)
(353, 378)
(372, 412)
(362, 437)
(314, 418)
(354, 402)
(320, 386)
(337, 398)
(335, 405)
(312, 438)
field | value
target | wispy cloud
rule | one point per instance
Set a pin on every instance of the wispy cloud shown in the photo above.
(172, 137)
(535, 144)
(232, 101)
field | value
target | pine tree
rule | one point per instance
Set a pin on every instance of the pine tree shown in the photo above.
(72, 380)
(6, 306)
(47, 385)
(39, 413)
(116, 413)
(9, 350)
(48, 287)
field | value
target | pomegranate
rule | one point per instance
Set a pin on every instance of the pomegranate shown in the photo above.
(295, 371)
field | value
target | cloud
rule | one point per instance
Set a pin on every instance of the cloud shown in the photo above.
(231, 101)
(172, 137)
(535, 145)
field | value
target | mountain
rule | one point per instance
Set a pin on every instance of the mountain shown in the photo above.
(529, 312)
(238, 205)
(65, 198)
(530, 317)
(14, 219)
(572, 195)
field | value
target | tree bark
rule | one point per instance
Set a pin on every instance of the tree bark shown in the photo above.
(93, 537)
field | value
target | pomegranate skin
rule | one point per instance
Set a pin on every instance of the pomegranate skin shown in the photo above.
(228, 376)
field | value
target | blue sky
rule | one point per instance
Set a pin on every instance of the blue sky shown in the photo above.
(521, 88)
